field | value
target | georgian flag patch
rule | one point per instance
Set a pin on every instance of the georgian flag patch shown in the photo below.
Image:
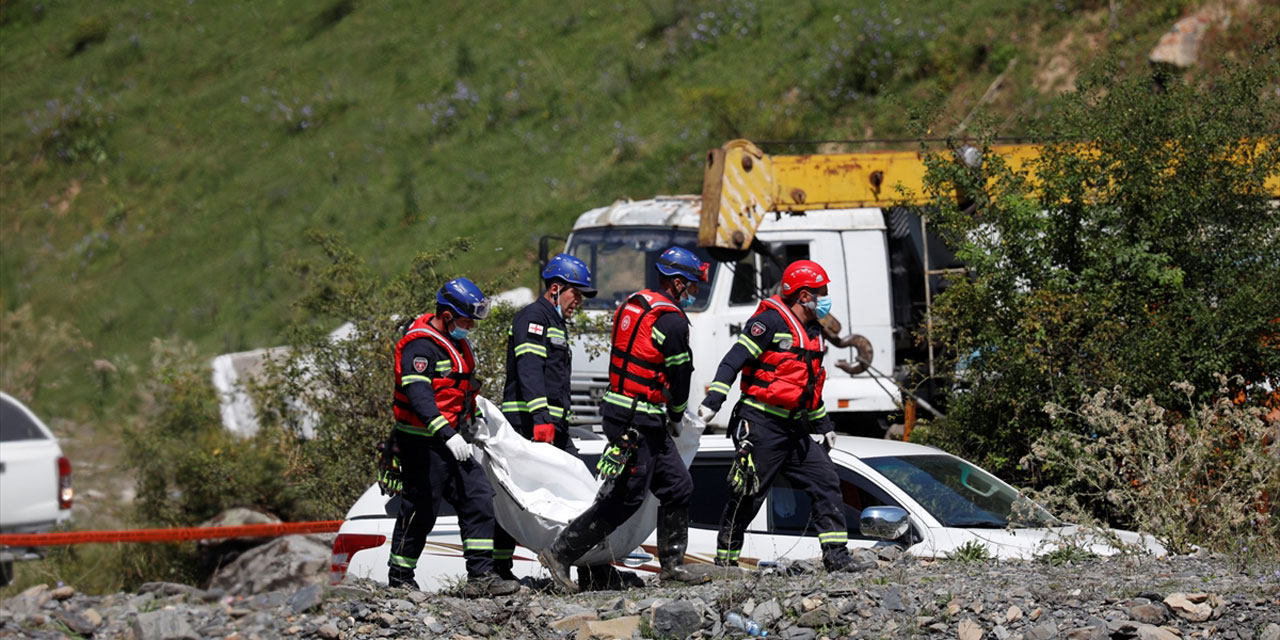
(536, 329)
(757, 329)
(420, 364)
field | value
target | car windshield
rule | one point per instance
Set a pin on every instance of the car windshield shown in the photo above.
(959, 494)
(622, 261)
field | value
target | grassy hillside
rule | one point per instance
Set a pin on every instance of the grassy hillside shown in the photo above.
(159, 161)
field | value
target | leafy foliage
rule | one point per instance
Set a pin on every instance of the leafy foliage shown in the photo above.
(970, 552)
(1143, 250)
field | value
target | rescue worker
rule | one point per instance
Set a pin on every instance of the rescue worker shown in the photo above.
(779, 353)
(536, 398)
(649, 366)
(435, 391)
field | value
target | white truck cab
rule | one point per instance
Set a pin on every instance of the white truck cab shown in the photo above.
(620, 243)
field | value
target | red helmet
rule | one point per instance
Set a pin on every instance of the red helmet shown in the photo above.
(803, 274)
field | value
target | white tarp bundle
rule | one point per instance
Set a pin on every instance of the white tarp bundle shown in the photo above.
(539, 489)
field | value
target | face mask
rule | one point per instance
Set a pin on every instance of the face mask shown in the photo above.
(821, 306)
(685, 299)
(459, 333)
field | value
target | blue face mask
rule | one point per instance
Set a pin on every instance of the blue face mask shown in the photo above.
(459, 333)
(685, 302)
(821, 306)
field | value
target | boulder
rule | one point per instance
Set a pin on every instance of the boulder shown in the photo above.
(286, 563)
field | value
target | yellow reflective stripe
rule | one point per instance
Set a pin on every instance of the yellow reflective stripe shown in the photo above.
(623, 401)
(680, 407)
(529, 347)
(514, 406)
(435, 425)
(751, 346)
(728, 554)
(818, 413)
(679, 358)
(405, 380)
(503, 554)
(478, 544)
(401, 561)
(833, 537)
(553, 332)
(721, 387)
(537, 404)
(779, 337)
(408, 428)
(444, 366)
(658, 336)
(767, 408)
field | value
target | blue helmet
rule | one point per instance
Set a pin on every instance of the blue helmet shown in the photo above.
(464, 298)
(678, 261)
(572, 271)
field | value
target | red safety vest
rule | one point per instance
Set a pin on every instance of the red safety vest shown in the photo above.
(783, 377)
(635, 364)
(454, 392)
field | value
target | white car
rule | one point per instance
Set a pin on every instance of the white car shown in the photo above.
(927, 501)
(35, 479)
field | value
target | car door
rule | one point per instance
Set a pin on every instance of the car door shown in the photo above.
(789, 531)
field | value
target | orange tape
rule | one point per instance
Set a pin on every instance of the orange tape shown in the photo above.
(167, 535)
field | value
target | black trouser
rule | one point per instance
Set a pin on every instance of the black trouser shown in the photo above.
(431, 473)
(504, 545)
(784, 446)
(655, 467)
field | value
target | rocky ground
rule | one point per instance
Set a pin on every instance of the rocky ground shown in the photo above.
(1122, 597)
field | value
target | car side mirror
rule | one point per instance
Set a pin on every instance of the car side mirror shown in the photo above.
(884, 523)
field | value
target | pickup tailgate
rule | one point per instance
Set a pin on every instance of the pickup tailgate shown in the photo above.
(28, 484)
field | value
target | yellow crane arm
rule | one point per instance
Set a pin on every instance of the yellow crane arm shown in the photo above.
(741, 184)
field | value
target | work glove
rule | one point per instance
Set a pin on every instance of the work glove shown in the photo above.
(544, 433)
(389, 481)
(743, 480)
(674, 426)
(458, 447)
(705, 413)
(829, 440)
(614, 460)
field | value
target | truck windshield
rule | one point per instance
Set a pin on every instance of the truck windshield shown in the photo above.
(621, 259)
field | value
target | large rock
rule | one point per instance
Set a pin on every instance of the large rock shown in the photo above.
(679, 619)
(286, 563)
(1180, 46)
(165, 624)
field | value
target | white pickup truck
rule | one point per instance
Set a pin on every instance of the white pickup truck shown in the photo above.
(871, 295)
(35, 480)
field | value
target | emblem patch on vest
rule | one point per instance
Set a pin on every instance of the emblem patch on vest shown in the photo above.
(536, 329)
(757, 329)
(420, 364)
(626, 322)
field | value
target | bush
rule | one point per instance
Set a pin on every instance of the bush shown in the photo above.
(1198, 474)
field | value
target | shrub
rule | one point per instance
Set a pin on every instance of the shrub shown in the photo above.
(1198, 474)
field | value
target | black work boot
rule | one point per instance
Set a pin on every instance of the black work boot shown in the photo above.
(673, 539)
(401, 578)
(489, 584)
(583, 533)
(503, 569)
(836, 559)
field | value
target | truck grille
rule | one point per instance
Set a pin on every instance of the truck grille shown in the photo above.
(585, 393)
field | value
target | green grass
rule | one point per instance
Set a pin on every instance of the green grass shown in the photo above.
(159, 161)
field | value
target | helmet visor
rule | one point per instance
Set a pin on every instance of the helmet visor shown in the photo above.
(480, 310)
